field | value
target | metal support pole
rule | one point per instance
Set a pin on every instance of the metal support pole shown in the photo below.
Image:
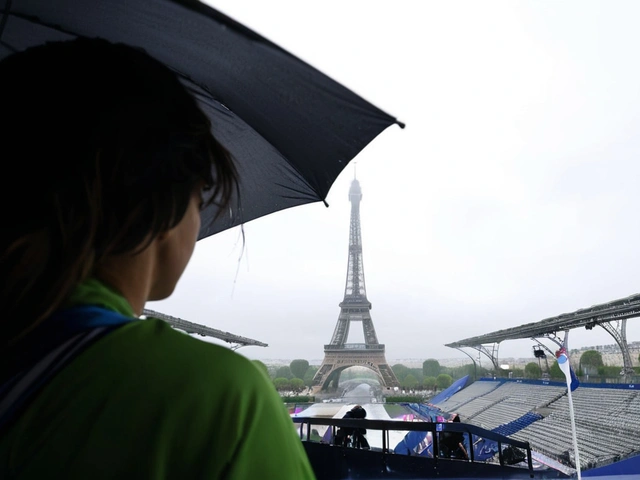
(475, 365)
(573, 428)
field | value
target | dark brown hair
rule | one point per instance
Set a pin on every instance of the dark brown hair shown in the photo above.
(105, 147)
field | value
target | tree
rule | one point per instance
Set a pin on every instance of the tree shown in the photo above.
(444, 381)
(555, 372)
(416, 372)
(532, 370)
(431, 368)
(299, 367)
(400, 371)
(609, 371)
(461, 371)
(272, 370)
(262, 366)
(429, 383)
(308, 376)
(590, 361)
(281, 383)
(297, 385)
(284, 372)
(409, 382)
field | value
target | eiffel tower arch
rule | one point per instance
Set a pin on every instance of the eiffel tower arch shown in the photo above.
(355, 308)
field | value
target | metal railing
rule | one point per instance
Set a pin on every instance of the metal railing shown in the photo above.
(354, 346)
(384, 426)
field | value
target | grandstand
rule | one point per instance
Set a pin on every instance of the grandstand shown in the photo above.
(607, 417)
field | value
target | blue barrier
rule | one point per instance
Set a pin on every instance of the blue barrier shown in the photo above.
(517, 424)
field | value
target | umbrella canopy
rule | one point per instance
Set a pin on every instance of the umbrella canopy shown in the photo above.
(290, 128)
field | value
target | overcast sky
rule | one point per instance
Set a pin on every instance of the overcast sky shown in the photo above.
(511, 196)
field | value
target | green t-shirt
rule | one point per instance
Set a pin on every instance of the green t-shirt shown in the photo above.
(150, 402)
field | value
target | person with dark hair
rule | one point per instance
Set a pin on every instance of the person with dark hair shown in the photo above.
(353, 436)
(452, 443)
(108, 162)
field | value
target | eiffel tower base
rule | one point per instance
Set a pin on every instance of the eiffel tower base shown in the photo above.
(339, 359)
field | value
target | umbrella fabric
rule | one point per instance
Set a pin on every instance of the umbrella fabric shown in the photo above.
(290, 128)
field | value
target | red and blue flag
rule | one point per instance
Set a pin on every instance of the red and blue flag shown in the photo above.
(565, 366)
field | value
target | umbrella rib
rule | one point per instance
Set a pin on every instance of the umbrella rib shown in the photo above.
(35, 20)
(5, 15)
(199, 85)
(212, 96)
(302, 194)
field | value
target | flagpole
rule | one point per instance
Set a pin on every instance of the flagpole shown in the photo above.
(564, 363)
(573, 427)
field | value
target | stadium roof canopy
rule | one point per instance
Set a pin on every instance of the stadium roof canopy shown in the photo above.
(203, 330)
(621, 309)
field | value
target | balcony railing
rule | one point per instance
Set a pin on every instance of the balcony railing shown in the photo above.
(353, 346)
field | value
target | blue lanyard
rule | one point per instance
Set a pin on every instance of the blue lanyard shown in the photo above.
(84, 317)
(50, 348)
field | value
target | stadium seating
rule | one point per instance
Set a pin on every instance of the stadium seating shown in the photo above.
(607, 419)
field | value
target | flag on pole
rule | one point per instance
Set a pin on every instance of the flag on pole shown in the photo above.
(572, 384)
(565, 366)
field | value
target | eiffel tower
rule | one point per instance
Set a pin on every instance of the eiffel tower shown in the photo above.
(340, 355)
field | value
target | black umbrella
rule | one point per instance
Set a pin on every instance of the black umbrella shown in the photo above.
(290, 128)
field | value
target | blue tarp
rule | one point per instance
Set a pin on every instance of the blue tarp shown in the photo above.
(518, 424)
(453, 389)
